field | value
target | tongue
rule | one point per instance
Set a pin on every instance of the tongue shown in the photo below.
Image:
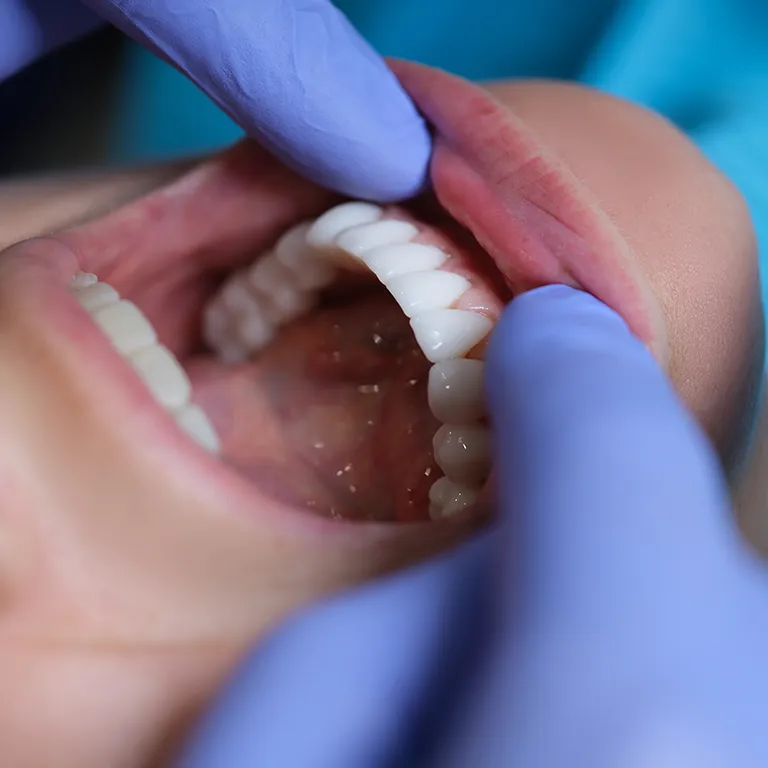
(535, 219)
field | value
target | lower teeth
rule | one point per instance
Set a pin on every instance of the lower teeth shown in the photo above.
(133, 336)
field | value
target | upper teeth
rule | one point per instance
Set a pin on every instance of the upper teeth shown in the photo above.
(133, 336)
(284, 283)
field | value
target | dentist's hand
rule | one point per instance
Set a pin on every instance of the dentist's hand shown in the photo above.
(613, 618)
(294, 74)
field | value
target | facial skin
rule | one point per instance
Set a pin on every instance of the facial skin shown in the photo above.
(129, 586)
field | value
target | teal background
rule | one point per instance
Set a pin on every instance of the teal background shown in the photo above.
(701, 63)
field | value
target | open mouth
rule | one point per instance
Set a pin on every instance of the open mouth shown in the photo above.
(327, 355)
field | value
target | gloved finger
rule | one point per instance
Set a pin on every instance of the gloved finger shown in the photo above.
(31, 28)
(611, 494)
(359, 681)
(298, 78)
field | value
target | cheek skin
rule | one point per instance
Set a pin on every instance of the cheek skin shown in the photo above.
(690, 231)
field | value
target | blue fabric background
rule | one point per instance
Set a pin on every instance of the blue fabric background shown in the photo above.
(701, 63)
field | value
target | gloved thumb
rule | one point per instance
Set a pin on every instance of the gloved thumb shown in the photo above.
(608, 490)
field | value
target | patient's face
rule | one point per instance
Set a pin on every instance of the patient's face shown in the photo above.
(131, 555)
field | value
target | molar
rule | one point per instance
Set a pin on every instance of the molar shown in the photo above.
(463, 452)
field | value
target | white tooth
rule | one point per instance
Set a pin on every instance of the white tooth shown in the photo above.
(254, 331)
(439, 493)
(309, 272)
(455, 391)
(125, 326)
(82, 280)
(447, 498)
(388, 261)
(332, 223)
(449, 333)
(236, 296)
(97, 295)
(216, 326)
(192, 419)
(463, 498)
(276, 291)
(463, 453)
(421, 292)
(363, 238)
(270, 276)
(163, 375)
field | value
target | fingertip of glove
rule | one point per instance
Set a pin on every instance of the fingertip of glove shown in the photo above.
(561, 320)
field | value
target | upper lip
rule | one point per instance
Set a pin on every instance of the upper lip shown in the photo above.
(493, 174)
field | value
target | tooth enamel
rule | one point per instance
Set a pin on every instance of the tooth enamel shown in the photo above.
(455, 391)
(96, 295)
(446, 498)
(463, 453)
(255, 331)
(388, 261)
(463, 498)
(236, 297)
(125, 326)
(420, 292)
(449, 333)
(216, 328)
(82, 280)
(365, 237)
(276, 292)
(332, 223)
(307, 270)
(163, 375)
(270, 276)
(192, 419)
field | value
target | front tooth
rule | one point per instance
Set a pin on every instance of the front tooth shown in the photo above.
(443, 334)
(163, 375)
(421, 292)
(365, 237)
(125, 326)
(455, 391)
(332, 223)
(388, 261)
(192, 419)
(463, 453)
(96, 295)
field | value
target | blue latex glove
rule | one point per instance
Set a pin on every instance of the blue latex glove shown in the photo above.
(612, 619)
(294, 74)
